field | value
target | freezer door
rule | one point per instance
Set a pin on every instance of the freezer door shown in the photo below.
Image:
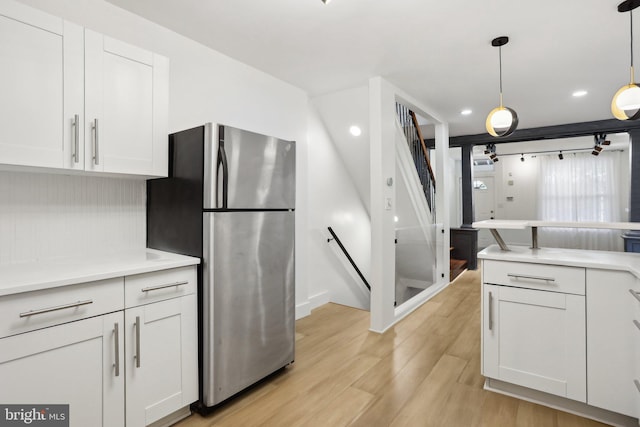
(251, 171)
(249, 302)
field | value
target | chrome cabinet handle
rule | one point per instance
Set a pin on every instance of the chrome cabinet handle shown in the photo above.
(637, 383)
(635, 294)
(490, 311)
(635, 322)
(76, 138)
(116, 337)
(168, 285)
(96, 143)
(137, 356)
(56, 308)
(522, 276)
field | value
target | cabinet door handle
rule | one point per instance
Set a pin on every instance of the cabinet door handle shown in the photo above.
(635, 294)
(56, 308)
(96, 142)
(168, 285)
(637, 383)
(76, 138)
(522, 276)
(490, 311)
(116, 337)
(137, 325)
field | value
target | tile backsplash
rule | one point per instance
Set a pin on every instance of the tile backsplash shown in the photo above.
(46, 216)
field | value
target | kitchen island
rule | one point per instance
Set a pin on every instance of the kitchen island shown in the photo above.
(561, 327)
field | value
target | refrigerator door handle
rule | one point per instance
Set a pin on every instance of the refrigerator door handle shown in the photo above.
(222, 161)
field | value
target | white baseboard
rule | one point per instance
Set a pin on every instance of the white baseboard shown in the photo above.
(304, 309)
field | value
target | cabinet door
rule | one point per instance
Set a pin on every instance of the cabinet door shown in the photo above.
(41, 82)
(162, 361)
(535, 339)
(612, 340)
(126, 107)
(74, 364)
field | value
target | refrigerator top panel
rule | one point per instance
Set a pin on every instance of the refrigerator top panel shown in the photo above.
(247, 170)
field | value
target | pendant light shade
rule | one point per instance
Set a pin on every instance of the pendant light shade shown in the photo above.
(501, 121)
(626, 102)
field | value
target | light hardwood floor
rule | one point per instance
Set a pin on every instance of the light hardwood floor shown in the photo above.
(425, 371)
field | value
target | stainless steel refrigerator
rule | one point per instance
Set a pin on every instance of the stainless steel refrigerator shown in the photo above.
(230, 200)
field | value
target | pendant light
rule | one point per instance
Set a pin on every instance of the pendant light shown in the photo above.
(626, 102)
(501, 121)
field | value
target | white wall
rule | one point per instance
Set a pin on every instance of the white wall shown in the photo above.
(339, 111)
(45, 216)
(208, 86)
(334, 201)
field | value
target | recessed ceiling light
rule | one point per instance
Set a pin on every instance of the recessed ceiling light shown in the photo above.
(466, 112)
(579, 93)
(355, 130)
(395, 218)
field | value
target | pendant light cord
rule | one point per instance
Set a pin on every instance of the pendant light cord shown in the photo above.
(500, 62)
(631, 44)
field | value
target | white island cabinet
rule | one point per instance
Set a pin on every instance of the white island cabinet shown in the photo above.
(118, 350)
(74, 99)
(561, 327)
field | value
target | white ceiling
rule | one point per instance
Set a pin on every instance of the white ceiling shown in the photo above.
(437, 51)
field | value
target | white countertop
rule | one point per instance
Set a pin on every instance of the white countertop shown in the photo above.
(34, 276)
(517, 224)
(625, 261)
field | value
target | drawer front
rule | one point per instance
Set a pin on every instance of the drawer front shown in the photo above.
(29, 311)
(161, 285)
(554, 278)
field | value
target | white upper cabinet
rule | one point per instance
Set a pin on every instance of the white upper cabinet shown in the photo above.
(126, 107)
(75, 99)
(41, 82)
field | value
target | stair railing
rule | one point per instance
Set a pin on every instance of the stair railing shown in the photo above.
(334, 236)
(419, 152)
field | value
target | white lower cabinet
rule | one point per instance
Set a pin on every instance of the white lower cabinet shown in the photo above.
(120, 367)
(74, 363)
(535, 339)
(612, 340)
(161, 359)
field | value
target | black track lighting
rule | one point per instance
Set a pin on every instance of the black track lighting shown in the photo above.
(522, 157)
(560, 156)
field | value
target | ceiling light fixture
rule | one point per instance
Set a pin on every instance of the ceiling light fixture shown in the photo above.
(522, 157)
(466, 112)
(579, 93)
(625, 104)
(501, 121)
(355, 130)
(560, 156)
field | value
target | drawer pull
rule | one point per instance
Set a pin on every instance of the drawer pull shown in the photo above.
(635, 294)
(635, 322)
(56, 308)
(637, 383)
(137, 326)
(521, 276)
(169, 285)
(490, 311)
(116, 337)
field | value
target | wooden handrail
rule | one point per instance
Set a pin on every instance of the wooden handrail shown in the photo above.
(424, 147)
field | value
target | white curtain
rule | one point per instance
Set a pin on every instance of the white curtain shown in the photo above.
(582, 187)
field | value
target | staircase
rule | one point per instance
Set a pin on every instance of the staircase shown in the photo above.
(416, 230)
(456, 266)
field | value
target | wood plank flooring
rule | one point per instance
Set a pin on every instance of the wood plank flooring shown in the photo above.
(425, 371)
